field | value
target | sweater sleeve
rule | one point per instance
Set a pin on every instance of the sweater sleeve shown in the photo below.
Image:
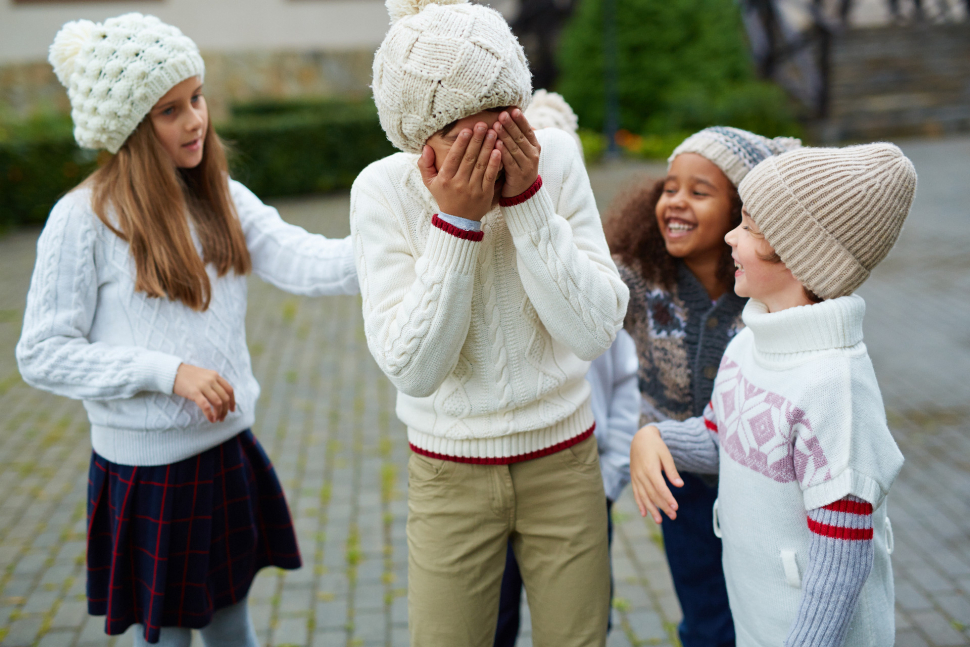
(693, 442)
(563, 258)
(623, 416)
(288, 256)
(417, 308)
(54, 353)
(840, 557)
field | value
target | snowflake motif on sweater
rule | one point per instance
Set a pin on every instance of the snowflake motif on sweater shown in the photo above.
(766, 432)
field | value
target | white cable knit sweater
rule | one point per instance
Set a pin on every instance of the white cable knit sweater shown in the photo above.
(487, 336)
(88, 335)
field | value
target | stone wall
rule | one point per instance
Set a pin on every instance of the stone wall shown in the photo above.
(238, 76)
(897, 81)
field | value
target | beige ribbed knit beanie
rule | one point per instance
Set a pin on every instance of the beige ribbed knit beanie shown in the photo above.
(832, 214)
(116, 71)
(443, 60)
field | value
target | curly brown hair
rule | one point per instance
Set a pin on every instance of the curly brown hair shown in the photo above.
(635, 238)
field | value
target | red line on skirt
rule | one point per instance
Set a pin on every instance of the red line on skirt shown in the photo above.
(508, 460)
(158, 542)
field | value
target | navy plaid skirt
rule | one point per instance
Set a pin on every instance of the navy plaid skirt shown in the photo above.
(169, 545)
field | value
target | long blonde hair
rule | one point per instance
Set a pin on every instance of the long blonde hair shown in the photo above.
(150, 199)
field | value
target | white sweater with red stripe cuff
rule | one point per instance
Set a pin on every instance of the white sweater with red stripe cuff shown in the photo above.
(487, 335)
(797, 432)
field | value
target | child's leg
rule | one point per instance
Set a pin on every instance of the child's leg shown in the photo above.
(167, 637)
(561, 546)
(231, 627)
(458, 530)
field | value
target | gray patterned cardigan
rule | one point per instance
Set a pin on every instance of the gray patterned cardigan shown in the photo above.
(680, 337)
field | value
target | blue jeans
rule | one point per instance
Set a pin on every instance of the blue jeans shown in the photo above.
(510, 601)
(694, 555)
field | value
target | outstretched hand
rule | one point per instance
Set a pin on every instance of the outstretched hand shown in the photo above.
(209, 390)
(520, 152)
(464, 186)
(649, 459)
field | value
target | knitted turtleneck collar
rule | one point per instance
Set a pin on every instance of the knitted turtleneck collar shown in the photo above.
(832, 324)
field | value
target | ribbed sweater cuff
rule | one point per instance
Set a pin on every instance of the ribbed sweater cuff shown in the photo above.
(849, 482)
(451, 247)
(157, 371)
(530, 215)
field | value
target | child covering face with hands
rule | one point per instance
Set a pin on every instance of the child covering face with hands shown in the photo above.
(796, 428)
(487, 289)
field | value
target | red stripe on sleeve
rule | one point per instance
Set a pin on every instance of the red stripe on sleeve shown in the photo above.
(710, 425)
(522, 197)
(455, 231)
(839, 532)
(852, 507)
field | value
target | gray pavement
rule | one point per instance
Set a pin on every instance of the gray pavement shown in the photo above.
(326, 417)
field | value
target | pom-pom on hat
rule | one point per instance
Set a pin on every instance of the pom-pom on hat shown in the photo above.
(832, 214)
(443, 60)
(116, 71)
(733, 150)
(550, 110)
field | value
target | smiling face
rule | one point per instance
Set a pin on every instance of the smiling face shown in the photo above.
(180, 119)
(756, 274)
(694, 211)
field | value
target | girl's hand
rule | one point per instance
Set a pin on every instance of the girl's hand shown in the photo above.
(649, 458)
(464, 186)
(520, 152)
(209, 390)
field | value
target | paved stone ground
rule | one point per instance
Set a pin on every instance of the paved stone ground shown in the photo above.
(326, 418)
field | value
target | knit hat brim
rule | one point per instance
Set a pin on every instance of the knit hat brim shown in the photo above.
(815, 257)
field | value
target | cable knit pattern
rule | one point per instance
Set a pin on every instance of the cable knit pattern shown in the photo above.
(88, 335)
(515, 320)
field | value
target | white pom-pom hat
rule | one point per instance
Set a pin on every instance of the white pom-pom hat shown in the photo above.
(116, 71)
(550, 110)
(443, 60)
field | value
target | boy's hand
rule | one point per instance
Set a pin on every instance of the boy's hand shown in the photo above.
(209, 390)
(464, 186)
(649, 458)
(520, 152)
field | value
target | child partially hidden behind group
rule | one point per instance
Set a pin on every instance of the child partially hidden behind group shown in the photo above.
(796, 428)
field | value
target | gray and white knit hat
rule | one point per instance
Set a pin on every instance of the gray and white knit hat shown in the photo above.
(733, 150)
(832, 214)
(443, 60)
(117, 70)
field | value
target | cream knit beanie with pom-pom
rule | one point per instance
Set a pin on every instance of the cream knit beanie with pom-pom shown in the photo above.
(443, 60)
(550, 110)
(832, 214)
(116, 71)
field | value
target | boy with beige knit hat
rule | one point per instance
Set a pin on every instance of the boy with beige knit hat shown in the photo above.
(796, 427)
(487, 289)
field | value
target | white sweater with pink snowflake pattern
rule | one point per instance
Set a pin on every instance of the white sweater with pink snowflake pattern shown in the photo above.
(797, 432)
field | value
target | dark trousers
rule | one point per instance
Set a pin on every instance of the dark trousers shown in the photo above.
(694, 555)
(507, 629)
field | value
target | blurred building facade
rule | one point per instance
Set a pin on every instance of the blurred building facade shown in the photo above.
(252, 48)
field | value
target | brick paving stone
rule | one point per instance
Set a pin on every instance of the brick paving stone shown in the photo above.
(332, 451)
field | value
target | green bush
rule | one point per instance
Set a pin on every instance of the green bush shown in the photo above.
(682, 65)
(276, 150)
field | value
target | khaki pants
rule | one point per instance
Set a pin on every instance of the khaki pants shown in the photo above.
(460, 519)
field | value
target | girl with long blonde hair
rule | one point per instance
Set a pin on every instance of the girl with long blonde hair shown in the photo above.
(137, 307)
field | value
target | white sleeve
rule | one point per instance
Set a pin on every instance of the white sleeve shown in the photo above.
(623, 416)
(417, 309)
(54, 353)
(288, 256)
(564, 260)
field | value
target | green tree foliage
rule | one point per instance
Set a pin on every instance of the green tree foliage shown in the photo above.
(682, 65)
